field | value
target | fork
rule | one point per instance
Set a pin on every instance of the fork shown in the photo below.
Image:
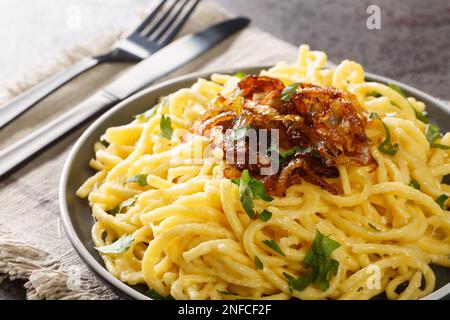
(159, 27)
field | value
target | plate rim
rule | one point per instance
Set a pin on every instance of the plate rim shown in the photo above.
(111, 281)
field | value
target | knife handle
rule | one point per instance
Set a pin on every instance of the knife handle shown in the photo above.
(17, 153)
(30, 97)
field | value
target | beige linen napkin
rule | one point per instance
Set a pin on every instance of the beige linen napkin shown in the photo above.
(33, 244)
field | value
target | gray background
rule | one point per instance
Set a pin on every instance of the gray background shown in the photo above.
(413, 45)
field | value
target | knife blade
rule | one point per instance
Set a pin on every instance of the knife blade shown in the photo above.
(164, 61)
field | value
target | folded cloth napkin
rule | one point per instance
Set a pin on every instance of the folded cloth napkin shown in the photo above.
(33, 244)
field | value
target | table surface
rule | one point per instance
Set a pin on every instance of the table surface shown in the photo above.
(412, 45)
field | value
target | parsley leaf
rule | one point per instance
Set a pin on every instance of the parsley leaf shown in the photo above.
(166, 127)
(298, 284)
(441, 201)
(265, 215)
(414, 184)
(318, 259)
(124, 204)
(274, 246)
(288, 91)
(249, 188)
(399, 90)
(147, 115)
(119, 246)
(373, 94)
(433, 133)
(258, 263)
(240, 75)
(156, 296)
(286, 154)
(421, 116)
(386, 146)
(246, 198)
(225, 293)
(140, 179)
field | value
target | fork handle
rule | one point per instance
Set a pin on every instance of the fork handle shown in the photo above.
(17, 153)
(26, 100)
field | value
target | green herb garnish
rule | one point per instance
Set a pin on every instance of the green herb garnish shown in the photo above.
(386, 146)
(441, 201)
(124, 204)
(225, 293)
(240, 74)
(286, 154)
(249, 188)
(322, 266)
(246, 198)
(373, 227)
(119, 246)
(147, 115)
(288, 91)
(414, 184)
(433, 133)
(140, 179)
(166, 127)
(373, 94)
(258, 263)
(421, 116)
(298, 284)
(265, 215)
(274, 246)
(156, 296)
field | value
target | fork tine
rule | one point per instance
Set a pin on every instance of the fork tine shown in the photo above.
(156, 23)
(168, 34)
(168, 22)
(152, 12)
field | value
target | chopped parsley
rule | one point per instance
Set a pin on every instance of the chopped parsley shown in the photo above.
(240, 74)
(166, 127)
(274, 246)
(286, 154)
(373, 94)
(265, 215)
(414, 184)
(322, 266)
(421, 116)
(249, 188)
(225, 292)
(386, 146)
(441, 201)
(288, 91)
(373, 227)
(124, 204)
(119, 246)
(258, 263)
(433, 133)
(140, 179)
(142, 117)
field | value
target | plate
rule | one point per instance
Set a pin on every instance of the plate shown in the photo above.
(76, 213)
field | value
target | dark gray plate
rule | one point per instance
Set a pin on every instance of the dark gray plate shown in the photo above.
(76, 213)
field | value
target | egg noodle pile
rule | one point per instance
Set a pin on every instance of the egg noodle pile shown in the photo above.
(178, 226)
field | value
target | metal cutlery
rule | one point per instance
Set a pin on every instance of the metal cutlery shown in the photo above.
(159, 64)
(159, 28)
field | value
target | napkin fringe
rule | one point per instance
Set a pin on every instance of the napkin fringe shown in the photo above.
(45, 277)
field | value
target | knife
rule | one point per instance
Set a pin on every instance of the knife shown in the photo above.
(152, 68)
